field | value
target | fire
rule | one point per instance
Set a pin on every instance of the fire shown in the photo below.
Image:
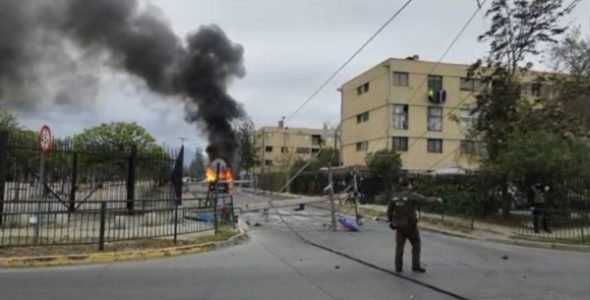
(225, 177)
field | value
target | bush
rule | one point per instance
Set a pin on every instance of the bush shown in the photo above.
(272, 181)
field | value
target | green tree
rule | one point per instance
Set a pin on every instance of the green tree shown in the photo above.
(542, 155)
(115, 134)
(572, 55)
(386, 164)
(518, 30)
(106, 147)
(8, 120)
(245, 135)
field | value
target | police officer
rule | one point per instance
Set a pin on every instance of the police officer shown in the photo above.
(539, 207)
(401, 213)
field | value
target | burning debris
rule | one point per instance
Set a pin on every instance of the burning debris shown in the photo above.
(218, 172)
(41, 40)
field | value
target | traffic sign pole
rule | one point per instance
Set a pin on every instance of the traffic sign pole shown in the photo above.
(39, 202)
(45, 141)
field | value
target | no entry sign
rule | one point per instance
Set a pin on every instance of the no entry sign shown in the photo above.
(45, 140)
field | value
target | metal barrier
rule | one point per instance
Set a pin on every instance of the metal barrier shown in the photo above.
(36, 224)
(553, 224)
(96, 194)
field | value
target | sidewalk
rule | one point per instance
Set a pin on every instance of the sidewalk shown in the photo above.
(457, 227)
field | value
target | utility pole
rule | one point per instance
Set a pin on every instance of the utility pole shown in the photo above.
(332, 204)
(287, 159)
(182, 139)
(356, 197)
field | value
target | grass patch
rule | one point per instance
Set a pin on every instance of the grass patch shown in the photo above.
(447, 225)
(224, 233)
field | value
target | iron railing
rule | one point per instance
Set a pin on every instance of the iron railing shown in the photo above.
(96, 194)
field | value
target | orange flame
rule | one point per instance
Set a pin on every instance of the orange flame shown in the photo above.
(225, 176)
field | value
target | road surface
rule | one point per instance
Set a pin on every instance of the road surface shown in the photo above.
(276, 264)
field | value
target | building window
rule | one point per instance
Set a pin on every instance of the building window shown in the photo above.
(361, 118)
(466, 119)
(269, 135)
(362, 88)
(470, 84)
(284, 150)
(400, 79)
(468, 147)
(362, 146)
(316, 139)
(268, 162)
(400, 116)
(400, 143)
(435, 82)
(302, 150)
(435, 146)
(315, 150)
(435, 118)
(268, 148)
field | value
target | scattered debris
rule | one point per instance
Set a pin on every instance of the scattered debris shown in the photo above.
(257, 224)
(505, 257)
(337, 266)
(347, 224)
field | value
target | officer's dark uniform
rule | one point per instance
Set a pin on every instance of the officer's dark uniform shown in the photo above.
(401, 212)
(540, 215)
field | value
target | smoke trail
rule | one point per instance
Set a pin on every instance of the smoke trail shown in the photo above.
(130, 39)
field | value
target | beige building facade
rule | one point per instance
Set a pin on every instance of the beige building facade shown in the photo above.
(278, 147)
(417, 107)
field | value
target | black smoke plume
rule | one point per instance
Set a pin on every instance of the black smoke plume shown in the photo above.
(41, 39)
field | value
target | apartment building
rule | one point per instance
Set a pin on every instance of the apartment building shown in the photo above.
(409, 104)
(281, 146)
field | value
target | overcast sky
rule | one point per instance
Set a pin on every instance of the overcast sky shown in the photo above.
(291, 47)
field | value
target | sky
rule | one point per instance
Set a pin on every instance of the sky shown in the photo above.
(291, 48)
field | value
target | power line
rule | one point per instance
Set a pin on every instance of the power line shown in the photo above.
(459, 34)
(479, 6)
(316, 92)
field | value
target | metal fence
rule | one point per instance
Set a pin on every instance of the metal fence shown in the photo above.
(90, 194)
(471, 200)
(477, 201)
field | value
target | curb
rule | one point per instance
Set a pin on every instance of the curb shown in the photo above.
(513, 242)
(98, 257)
(449, 233)
(555, 246)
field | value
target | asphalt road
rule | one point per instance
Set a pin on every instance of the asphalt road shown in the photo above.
(275, 264)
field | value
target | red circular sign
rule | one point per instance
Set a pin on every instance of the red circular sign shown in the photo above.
(45, 139)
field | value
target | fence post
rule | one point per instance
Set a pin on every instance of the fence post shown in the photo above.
(3, 164)
(131, 170)
(473, 199)
(582, 224)
(215, 212)
(442, 215)
(332, 204)
(74, 181)
(175, 223)
(103, 208)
